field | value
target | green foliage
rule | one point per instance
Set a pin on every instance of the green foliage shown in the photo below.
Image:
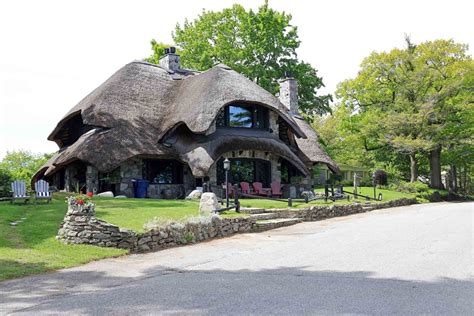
(404, 104)
(158, 51)
(261, 45)
(21, 165)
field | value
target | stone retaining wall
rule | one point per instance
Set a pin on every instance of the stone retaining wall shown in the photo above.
(80, 226)
(316, 213)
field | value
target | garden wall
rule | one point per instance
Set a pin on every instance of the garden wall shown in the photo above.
(80, 226)
(316, 213)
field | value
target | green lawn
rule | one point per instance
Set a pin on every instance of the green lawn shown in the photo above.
(387, 195)
(31, 247)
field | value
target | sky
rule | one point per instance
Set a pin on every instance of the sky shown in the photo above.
(53, 53)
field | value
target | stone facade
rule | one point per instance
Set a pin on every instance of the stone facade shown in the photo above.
(80, 226)
(92, 179)
(289, 94)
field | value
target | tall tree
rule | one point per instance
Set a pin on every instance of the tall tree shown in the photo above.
(261, 45)
(409, 96)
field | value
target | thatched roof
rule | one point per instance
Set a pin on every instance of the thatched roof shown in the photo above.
(201, 154)
(149, 93)
(311, 151)
(141, 103)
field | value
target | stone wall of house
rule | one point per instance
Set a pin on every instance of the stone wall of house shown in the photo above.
(92, 179)
(80, 226)
(129, 170)
(132, 169)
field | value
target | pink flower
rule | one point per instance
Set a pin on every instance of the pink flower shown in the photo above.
(90, 194)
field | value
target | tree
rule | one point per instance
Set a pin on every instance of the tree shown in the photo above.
(22, 165)
(409, 97)
(261, 45)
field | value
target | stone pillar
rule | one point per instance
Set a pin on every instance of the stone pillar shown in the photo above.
(92, 179)
(289, 94)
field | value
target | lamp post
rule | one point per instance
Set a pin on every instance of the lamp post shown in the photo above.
(227, 168)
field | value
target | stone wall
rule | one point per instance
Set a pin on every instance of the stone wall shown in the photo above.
(92, 179)
(80, 226)
(316, 213)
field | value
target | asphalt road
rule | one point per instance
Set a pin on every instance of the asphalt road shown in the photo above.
(407, 260)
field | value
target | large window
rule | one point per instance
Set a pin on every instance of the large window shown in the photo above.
(243, 115)
(289, 173)
(163, 171)
(245, 170)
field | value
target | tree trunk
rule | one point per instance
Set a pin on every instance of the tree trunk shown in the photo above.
(435, 168)
(413, 168)
(453, 177)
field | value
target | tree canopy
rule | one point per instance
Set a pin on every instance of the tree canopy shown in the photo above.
(261, 45)
(20, 165)
(413, 101)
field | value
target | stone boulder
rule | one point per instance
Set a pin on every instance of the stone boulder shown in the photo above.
(208, 204)
(106, 194)
(194, 195)
(121, 197)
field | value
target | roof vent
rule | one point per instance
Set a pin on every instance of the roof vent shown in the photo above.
(170, 60)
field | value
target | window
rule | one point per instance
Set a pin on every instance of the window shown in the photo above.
(245, 170)
(289, 173)
(163, 171)
(244, 116)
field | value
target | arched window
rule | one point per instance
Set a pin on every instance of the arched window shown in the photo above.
(243, 116)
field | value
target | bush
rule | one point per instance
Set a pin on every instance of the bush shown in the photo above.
(380, 177)
(410, 187)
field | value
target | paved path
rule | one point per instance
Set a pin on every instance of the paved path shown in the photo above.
(416, 259)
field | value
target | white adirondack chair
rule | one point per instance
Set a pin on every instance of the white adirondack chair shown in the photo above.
(19, 191)
(42, 190)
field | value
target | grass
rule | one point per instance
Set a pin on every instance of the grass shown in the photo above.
(31, 246)
(387, 195)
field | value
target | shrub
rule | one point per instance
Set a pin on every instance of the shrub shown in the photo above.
(380, 177)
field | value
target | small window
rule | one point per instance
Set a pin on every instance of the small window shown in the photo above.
(243, 116)
(163, 171)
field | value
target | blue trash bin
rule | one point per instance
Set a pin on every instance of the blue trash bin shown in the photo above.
(141, 188)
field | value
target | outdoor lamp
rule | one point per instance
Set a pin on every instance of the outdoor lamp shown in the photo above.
(227, 164)
(227, 168)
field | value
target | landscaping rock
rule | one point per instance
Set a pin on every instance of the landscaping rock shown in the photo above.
(208, 204)
(194, 195)
(106, 194)
(121, 197)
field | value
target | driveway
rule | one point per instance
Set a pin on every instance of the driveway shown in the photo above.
(415, 259)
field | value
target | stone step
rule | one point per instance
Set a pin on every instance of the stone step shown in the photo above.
(267, 224)
(253, 210)
(263, 216)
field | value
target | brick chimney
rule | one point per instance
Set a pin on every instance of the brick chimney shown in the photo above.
(289, 93)
(170, 60)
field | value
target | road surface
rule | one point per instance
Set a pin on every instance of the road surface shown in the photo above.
(406, 260)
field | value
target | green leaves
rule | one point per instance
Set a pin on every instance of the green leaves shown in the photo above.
(258, 44)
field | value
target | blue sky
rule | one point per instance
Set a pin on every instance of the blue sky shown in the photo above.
(53, 53)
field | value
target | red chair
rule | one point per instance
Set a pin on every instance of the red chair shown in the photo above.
(245, 186)
(276, 189)
(258, 188)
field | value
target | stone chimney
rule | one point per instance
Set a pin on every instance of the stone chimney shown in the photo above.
(170, 60)
(289, 93)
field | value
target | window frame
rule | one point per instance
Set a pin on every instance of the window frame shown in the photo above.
(177, 171)
(260, 116)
